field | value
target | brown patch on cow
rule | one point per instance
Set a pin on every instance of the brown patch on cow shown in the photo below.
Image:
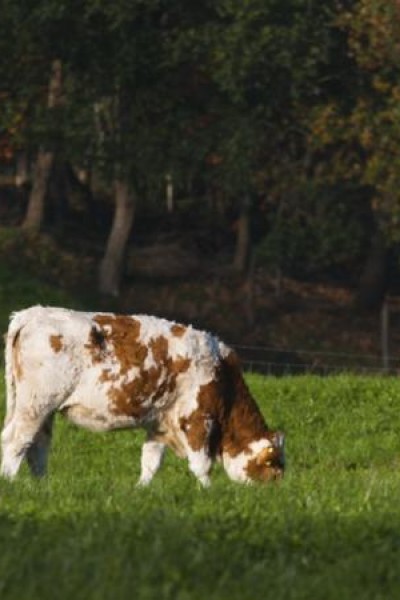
(122, 333)
(195, 430)
(117, 342)
(56, 342)
(266, 466)
(16, 356)
(258, 472)
(159, 348)
(211, 408)
(180, 365)
(108, 375)
(158, 381)
(178, 330)
(228, 403)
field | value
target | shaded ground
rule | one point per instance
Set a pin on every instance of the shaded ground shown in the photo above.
(188, 278)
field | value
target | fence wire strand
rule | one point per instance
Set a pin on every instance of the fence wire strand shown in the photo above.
(268, 360)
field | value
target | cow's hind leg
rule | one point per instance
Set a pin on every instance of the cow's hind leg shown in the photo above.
(38, 451)
(17, 437)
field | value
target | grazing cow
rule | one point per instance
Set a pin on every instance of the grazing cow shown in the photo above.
(105, 371)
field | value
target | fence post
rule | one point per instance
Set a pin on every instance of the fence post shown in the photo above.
(385, 334)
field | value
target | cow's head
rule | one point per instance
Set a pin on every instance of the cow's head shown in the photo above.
(269, 463)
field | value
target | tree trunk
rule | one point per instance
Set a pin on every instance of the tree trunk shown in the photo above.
(248, 288)
(169, 193)
(111, 265)
(59, 192)
(242, 252)
(44, 160)
(41, 173)
(22, 170)
(385, 335)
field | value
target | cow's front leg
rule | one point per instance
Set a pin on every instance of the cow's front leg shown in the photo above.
(199, 431)
(152, 455)
(200, 464)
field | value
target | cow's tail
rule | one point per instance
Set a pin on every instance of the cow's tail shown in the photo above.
(17, 322)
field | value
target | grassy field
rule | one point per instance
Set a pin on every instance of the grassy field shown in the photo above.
(329, 530)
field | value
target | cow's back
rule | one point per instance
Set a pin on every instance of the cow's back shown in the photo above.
(117, 370)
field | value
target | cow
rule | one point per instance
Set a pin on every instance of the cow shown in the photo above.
(105, 372)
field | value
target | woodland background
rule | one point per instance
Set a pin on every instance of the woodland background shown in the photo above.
(231, 163)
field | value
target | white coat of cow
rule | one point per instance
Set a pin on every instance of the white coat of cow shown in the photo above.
(105, 371)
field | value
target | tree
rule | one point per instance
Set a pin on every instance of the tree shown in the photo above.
(360, 131)
(364, 126)
(45, 157)
(114, 100)
(219, 95)
(261, 68)
(35, 71)
(123, 73)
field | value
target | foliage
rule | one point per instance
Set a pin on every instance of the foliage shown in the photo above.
(361, 130)
(274, 101)
(330, 529)
(256, 69)
(44, 259)
(316, 228)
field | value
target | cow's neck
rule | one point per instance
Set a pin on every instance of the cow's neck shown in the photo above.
(243, 422)
(244, 431)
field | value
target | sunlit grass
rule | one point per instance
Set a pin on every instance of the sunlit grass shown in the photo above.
(329, 530)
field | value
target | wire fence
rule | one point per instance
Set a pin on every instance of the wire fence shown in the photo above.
(279, 361)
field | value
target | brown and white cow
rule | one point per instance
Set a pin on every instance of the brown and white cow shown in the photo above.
(105, 371)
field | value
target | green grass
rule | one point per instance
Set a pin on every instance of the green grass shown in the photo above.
(329, 530)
